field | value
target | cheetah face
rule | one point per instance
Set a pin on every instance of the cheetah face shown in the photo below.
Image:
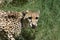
(32, 18)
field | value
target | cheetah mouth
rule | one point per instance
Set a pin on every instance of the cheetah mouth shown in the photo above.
(33, 26)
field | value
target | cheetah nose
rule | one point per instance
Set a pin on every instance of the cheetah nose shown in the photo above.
(33, 26)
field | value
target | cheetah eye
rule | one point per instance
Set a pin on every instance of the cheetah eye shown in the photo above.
(29, 17)
(36, 17)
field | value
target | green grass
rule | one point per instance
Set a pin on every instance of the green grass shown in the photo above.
(49, 21)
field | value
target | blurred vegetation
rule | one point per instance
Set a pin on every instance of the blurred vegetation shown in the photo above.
(49, 21)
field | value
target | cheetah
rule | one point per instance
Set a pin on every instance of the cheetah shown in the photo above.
(10, 23)
(30, 18)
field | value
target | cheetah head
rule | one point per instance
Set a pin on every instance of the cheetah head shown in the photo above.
(32, 17)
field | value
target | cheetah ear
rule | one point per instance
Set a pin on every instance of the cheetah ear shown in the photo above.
(25, 12)
(26, 16)
(39, 11)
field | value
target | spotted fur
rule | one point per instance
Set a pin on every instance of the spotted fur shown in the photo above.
(10, 23)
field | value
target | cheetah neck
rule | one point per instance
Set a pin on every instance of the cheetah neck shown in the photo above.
(25, 23)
